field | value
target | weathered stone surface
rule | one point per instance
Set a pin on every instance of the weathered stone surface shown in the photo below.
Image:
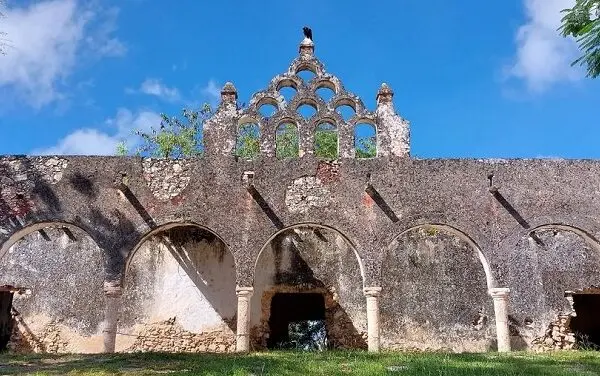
(528, 225)
(166, 178)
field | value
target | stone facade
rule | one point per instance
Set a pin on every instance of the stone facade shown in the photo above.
(134, 254)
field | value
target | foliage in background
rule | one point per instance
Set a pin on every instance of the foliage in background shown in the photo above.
(248, 141)
(287, 141)
(180, 137)
(583, 23)
(308, 335)
(326, 142)
(175, 138)
(366, 147)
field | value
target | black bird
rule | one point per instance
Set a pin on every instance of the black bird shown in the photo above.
(307, 32)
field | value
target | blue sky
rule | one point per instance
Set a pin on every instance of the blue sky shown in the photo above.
(475, 78)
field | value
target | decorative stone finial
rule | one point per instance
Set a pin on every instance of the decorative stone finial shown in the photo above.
(385, 94)
(229, 93)
(307, 46)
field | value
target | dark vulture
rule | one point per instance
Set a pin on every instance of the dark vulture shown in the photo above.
(307, 32)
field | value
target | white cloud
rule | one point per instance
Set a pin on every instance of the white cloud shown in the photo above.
(212, 91)
(45, 42)
(91, 141)
(153, 86)
(543, 56)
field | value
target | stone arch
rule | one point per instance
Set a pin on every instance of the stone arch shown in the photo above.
(315, 259)
(179, 282)
(435, 285)
(24, 231)
(63, 267)
(316, 225)
(363, 142)
(541, 265)
(489, 276)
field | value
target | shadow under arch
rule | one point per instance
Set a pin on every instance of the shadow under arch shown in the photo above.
(210, 272)
(40, 226)
(64, 278)
(165, 227)
(311, 225)
(586, 236)
(489, 277)
(302, 261)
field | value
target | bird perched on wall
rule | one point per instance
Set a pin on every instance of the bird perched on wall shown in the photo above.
(307, 32)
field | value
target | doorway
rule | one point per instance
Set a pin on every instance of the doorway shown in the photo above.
(297, 321)
(6, 322)
(586, 325)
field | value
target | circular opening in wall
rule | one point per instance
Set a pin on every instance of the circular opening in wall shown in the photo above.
(288, 93)
(307, 110)
(325, 93)
(346, 111)
(267, 110)
(306, 74)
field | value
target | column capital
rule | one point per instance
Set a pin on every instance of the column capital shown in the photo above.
(372, 291)
(499, 292)
(244, 291)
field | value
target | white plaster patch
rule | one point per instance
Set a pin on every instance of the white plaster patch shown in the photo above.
(305, 193)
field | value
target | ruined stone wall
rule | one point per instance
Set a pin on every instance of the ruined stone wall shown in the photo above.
(179, 295)
(435, 294)
(539, 270)
(65, 274)
(118, 202)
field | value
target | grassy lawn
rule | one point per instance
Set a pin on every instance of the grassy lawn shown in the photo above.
(295, 363)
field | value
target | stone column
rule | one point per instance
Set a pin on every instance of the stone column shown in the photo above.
(372, 295)
(111, 315)
(242, 343)
(500, 296)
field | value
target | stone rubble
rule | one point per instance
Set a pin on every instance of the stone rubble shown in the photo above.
(557, 337)
(167, 336)
(49, 340)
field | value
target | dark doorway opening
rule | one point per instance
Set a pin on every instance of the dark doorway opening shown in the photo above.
(586, 324)
(6, 322)
(297, 321)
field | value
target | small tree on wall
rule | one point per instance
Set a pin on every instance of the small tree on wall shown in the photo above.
(175, 137)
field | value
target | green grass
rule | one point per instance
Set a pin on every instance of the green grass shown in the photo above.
(296, 363)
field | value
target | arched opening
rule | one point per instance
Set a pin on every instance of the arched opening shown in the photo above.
(288, 93)
(316, 273)
(267, 109)
(365, 140)
(63, 270)
(179, 293)
(435, 284)
(552, 273)
(325, 93)
(248, 141)
(346, 111)
(306, 74)
(287, 141)
(326, 141)
(307, 110)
